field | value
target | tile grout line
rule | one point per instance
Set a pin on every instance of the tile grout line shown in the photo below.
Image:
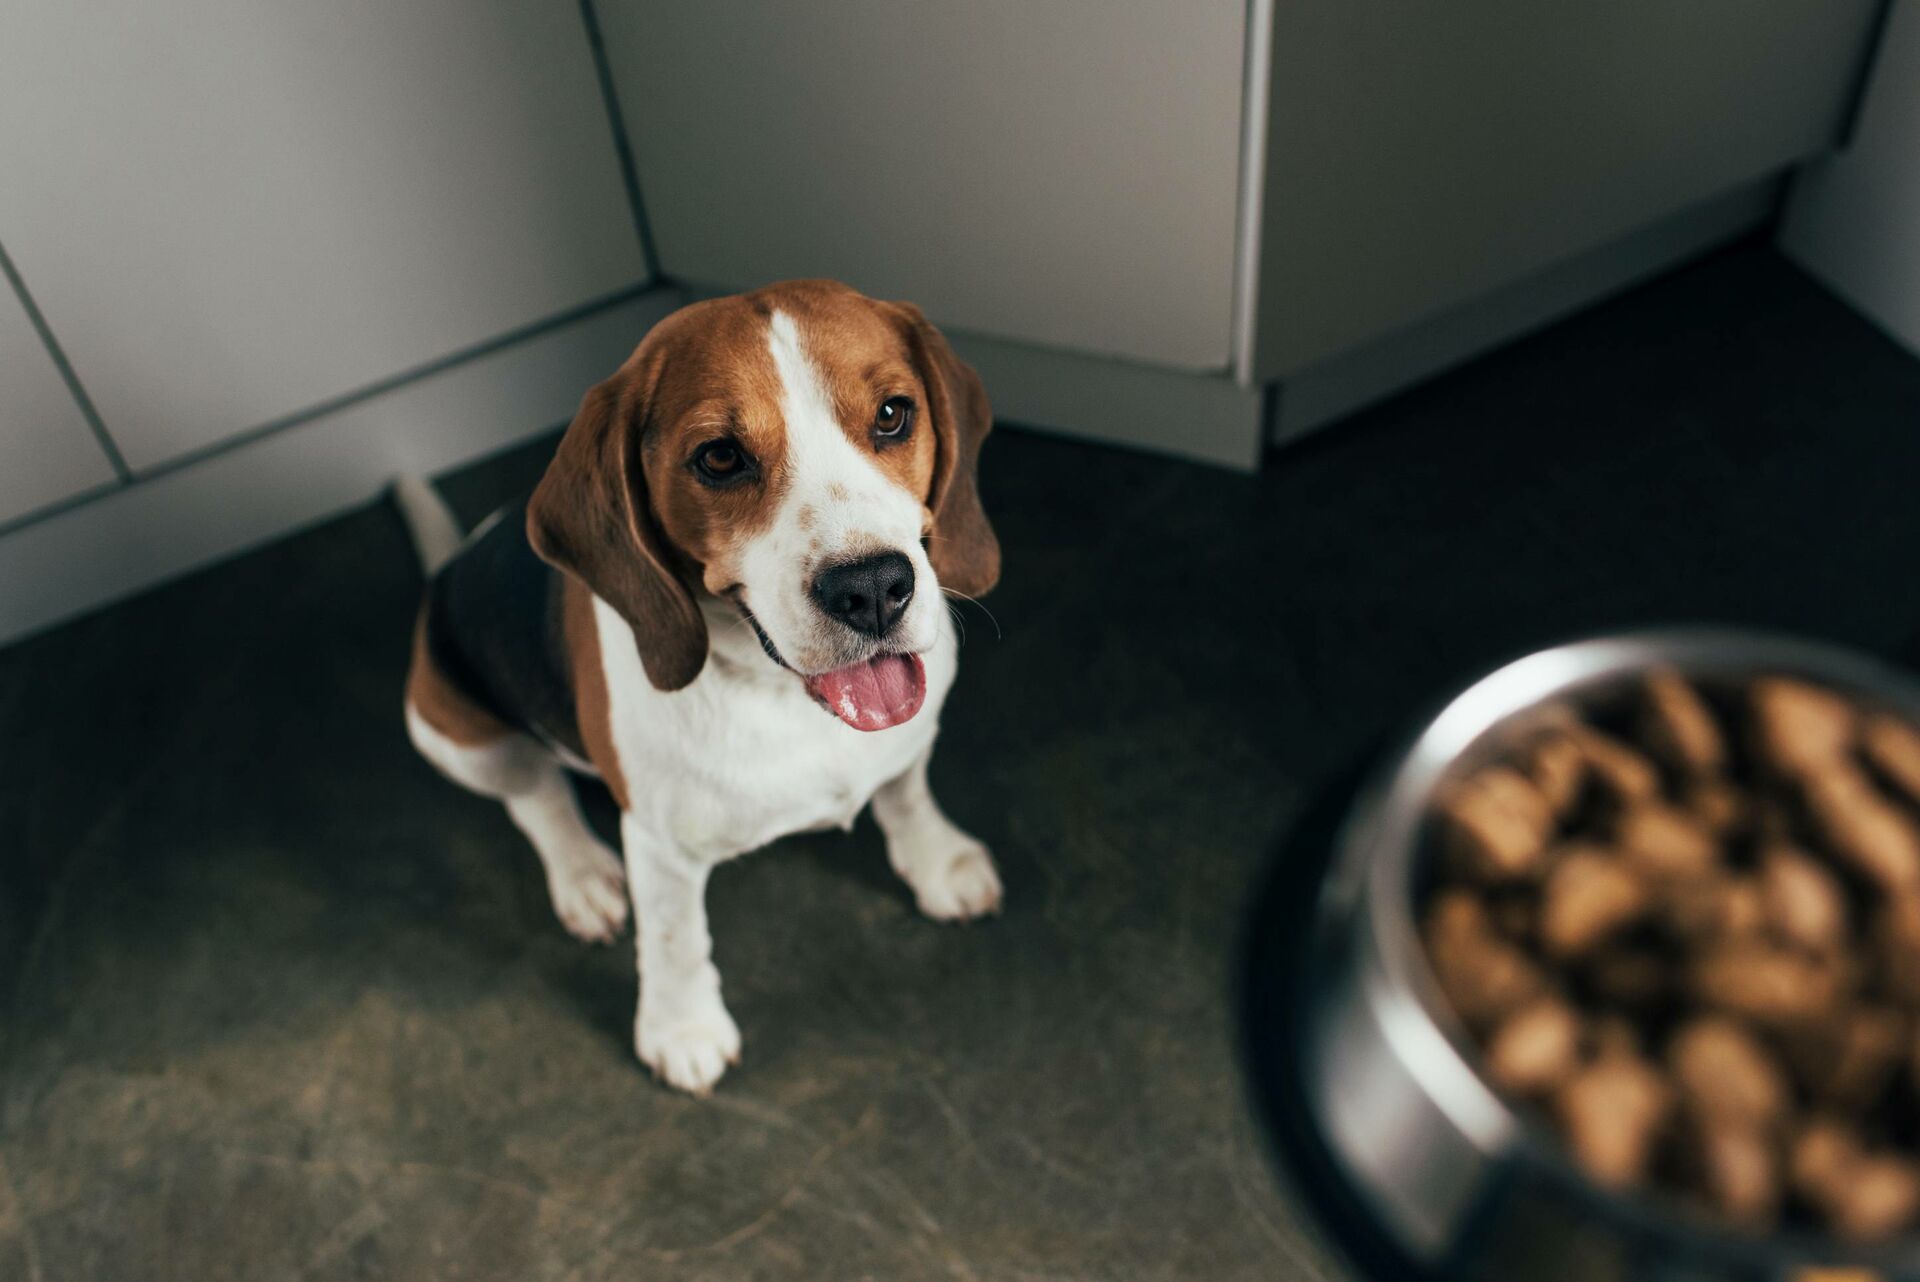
(75, 388)
(131, 478)
(622, 144)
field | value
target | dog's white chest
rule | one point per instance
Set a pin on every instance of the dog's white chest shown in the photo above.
(766, 764)
(742, 757)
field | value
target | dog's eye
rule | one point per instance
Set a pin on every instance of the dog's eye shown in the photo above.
(721, 460)
(894, 419)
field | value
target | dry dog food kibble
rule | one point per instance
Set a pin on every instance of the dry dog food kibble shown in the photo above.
(1685, 933)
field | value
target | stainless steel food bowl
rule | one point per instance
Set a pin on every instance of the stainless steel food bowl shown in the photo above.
(1437, 1162)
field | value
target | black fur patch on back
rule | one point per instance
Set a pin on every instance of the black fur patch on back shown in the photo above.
(494, 629)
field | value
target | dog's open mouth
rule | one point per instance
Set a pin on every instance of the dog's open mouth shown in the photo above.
(883, 691)
(874, 694)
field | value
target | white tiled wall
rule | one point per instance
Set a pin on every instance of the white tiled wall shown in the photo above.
(229, 211)
(47, 452)
(286, 250)
(176, 520)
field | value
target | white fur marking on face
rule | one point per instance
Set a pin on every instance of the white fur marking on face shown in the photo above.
(838, 505)
(803, 399)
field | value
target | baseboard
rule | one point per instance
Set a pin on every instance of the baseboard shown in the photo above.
(124, 540)
(1205, 417)
(1335, 388)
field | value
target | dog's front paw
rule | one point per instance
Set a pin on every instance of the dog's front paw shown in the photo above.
(689, 1052)
(589, 895)
(957, 885)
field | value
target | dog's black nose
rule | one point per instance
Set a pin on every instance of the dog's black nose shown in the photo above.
(867, 595)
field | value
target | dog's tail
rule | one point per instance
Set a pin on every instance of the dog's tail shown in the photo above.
(436, 531)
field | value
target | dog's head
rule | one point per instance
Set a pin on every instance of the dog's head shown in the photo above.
(803, 452)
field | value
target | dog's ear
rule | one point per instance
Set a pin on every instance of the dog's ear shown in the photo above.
(963, 549)
(591, 517)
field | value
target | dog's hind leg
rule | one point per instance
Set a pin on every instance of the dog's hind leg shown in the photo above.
(475, 750)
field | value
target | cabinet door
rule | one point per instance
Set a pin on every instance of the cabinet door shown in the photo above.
(1057, 171)
(1853, 220)
(47, 451)
(230, 211)
(1420, 155)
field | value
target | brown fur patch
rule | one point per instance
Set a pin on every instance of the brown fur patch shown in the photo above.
(591, 705)
(723, 384)
(440, 705)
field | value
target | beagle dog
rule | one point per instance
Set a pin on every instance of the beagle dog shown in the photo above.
(724, 598)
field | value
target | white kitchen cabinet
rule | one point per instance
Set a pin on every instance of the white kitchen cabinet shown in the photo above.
(1059, 172)
(1353, 193)
(1420, 156)
(230, 212)
(47, 451)
(1853, 220)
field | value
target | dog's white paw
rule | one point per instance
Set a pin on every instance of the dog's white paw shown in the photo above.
(589, 895)
(957, 886)
(689, 1052)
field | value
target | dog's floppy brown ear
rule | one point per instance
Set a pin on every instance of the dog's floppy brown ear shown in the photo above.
(963, 549)
(591, 517)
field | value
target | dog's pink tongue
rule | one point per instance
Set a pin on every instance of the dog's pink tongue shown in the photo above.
(883, 691)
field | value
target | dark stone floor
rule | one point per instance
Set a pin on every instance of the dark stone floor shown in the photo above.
(279, 1003)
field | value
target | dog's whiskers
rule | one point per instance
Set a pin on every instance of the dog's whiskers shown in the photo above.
(998, 635)
(953, 612)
